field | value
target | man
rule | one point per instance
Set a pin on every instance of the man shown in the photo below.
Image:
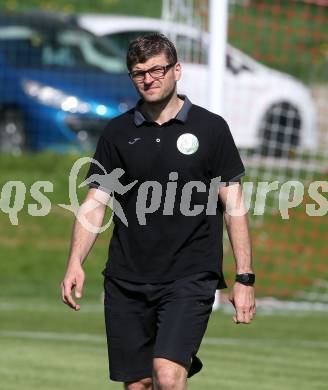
(164, 267)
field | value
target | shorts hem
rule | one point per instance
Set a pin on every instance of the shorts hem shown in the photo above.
(193, 366)
(173, 359)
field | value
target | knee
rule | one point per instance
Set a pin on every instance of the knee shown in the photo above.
(164, 379)
(142, 384)
(169, 377)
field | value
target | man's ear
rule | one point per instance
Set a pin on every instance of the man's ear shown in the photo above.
(177, 71)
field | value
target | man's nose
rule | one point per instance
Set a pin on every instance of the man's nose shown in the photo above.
(148, 79)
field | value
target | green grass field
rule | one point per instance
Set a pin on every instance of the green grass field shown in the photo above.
(46, 346)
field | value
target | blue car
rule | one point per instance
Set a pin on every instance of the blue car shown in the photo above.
(59, 84)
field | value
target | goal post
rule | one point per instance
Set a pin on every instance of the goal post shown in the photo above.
(218, 23)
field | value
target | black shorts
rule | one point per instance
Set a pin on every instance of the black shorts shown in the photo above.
(148, 320)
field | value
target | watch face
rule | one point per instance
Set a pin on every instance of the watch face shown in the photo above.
(246, 278)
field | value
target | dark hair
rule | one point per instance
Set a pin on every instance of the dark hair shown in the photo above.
(147, 46)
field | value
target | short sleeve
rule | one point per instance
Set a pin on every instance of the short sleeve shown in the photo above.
(225, 159)
(103, 157)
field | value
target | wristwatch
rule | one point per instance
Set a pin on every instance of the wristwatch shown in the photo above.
(246, 279)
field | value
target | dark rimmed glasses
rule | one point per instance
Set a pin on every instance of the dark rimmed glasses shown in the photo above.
(156, 72)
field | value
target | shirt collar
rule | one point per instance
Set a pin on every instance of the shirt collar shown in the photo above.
(140, 118)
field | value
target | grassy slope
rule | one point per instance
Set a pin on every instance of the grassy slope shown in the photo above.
(142, 7)
(34, 253)
(287, 36)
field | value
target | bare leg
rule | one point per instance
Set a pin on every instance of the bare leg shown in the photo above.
(168, 375)
(142, 384)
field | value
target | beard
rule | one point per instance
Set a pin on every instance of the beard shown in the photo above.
(164, 98)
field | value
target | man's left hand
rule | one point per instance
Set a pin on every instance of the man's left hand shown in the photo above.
(243, 299)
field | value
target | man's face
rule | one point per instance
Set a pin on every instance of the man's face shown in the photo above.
(156, 87)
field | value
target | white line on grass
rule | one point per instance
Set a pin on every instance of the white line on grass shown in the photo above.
(97, 338)
(265, 306)
(47, 307)
(53, 336)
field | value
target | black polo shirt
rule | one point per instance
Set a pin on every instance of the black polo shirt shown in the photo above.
(168, 243)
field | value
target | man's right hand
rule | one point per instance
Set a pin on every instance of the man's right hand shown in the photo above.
(74, 279)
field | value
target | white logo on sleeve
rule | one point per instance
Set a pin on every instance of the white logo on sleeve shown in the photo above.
(187, 143)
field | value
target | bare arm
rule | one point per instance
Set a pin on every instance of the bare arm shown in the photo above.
(92, 210)
(235, 216)
(236, 221)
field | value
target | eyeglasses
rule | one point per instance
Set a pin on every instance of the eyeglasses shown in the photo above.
(156, 72)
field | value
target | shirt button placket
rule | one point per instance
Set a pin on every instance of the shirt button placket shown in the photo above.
(158, 138)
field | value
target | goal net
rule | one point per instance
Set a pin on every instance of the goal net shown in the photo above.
(275, 101)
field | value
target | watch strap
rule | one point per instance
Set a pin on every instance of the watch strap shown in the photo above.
(248, 279)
